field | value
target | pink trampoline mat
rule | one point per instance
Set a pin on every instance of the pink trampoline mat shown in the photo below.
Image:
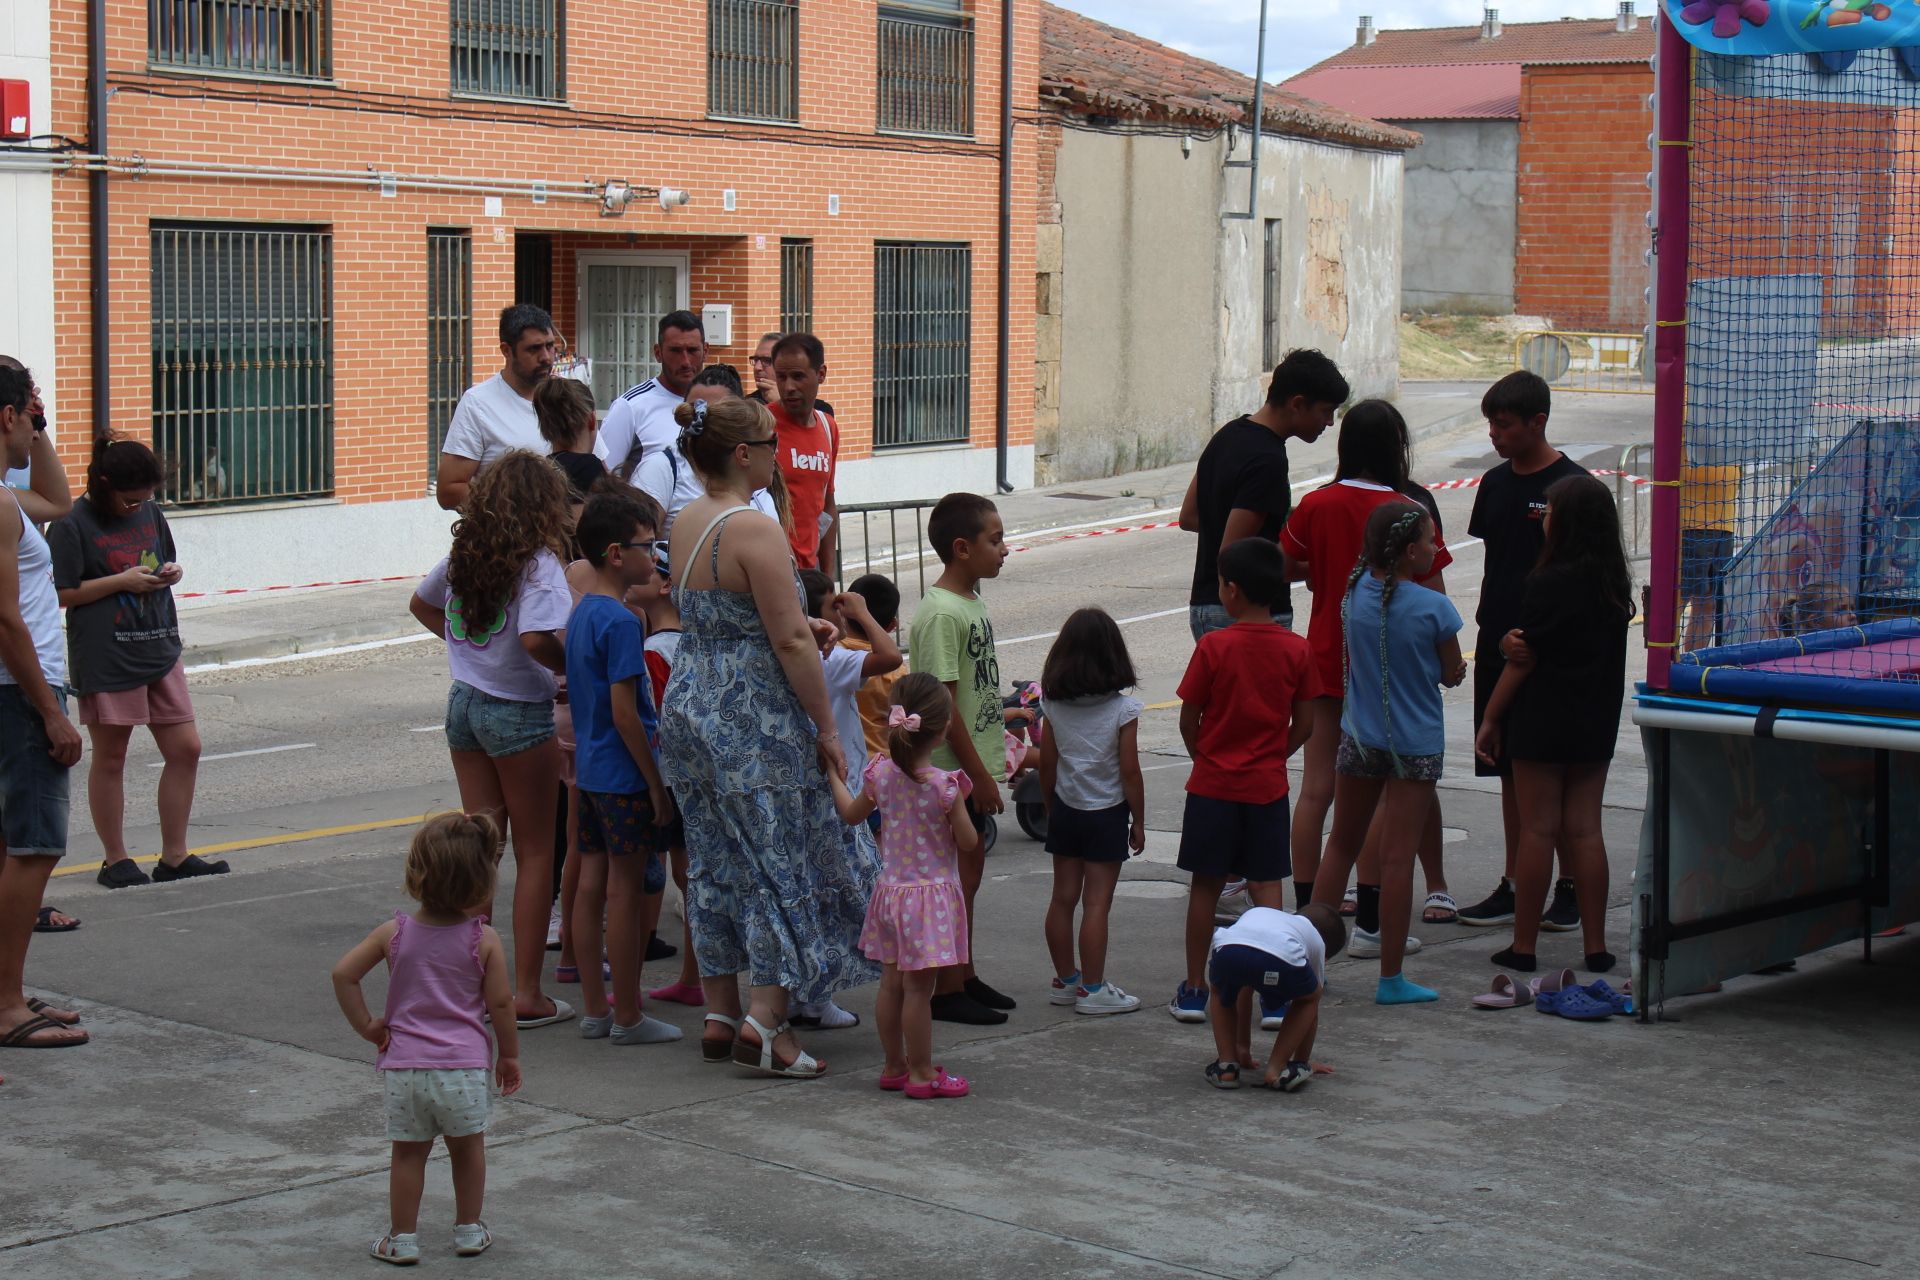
(1893, 659)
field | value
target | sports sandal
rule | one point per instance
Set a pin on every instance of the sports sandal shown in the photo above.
(43, 921)
(401, 1250)
(759, 1057)
(1350, 902)
(1223, 1075)
(1448, 910)
(471, 1239)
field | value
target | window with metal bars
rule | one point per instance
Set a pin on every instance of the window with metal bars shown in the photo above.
(922, 343)
(926, 68)
(796, 286)
(449, 333)
(507, 48)
(1270, 282)
(753, 59)
(280, 39)
(242, 338)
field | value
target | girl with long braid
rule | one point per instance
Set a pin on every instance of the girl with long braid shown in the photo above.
(1402, 645)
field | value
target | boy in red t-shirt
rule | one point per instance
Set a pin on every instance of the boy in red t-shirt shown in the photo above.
(1244, 712)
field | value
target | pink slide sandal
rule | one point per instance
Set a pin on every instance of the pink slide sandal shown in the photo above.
(1506, 994)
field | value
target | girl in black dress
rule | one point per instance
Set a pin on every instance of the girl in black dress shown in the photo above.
(1557, 706)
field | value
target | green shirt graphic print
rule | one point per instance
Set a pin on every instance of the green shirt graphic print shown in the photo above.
(952, 641)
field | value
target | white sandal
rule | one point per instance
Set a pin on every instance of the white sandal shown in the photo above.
(803, 1067)
(401, 1250)
(720, 1050)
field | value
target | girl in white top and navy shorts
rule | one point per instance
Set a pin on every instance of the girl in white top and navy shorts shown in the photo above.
(1096, 801)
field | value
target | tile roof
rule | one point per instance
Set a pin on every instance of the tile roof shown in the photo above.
(1090, 68)
(1526, 43)
(1418, 93)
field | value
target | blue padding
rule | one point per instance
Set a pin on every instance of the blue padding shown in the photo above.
(1741, 655)
(1649, 697)
(1793, 687)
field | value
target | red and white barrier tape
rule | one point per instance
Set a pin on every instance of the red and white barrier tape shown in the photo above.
(1473, 482)
(303, 586)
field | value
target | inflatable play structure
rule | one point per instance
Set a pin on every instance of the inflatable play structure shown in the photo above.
(1781, 713)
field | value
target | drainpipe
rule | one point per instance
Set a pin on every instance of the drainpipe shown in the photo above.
(97, 279)
(1005, 303)
(1259, 111)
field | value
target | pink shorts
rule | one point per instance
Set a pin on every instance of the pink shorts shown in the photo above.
(165, 701)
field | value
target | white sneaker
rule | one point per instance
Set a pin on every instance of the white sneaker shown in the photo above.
(1234, 889)
(400, 1250)
(1108, 999)
(1065, 991)
(553, 928)
(1363, 944)
(470, 1239)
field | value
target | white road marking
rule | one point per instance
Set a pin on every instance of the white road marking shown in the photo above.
(239, 663)
(257, 751)
(429, 728)
(1048, 635)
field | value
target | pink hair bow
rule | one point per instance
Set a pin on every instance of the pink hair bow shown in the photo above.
(898, 716)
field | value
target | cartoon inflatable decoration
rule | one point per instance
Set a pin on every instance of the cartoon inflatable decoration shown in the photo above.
(1759, 28)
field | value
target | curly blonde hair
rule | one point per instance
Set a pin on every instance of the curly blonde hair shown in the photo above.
(517, 507)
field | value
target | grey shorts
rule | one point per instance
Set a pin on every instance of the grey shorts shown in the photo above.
(424, 1104)
(1205, 618)
(33, 787)
(478, 721)
(1357, 761)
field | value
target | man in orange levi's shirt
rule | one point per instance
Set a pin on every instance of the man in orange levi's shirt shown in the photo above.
(809, 449)
(1244, 712)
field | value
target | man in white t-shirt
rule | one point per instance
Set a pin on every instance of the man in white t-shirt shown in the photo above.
(497, 415)
(641, 420)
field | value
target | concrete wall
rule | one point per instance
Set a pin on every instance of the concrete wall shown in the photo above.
(1153, 316)
(26, 210)
(1462, 187)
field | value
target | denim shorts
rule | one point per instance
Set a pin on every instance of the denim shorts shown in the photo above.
(33, 787)
(1205, 618)
(478, 721)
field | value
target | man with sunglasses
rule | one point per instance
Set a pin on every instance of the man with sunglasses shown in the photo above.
(668, 478)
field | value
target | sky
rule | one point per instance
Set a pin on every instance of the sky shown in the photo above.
(1299, 35)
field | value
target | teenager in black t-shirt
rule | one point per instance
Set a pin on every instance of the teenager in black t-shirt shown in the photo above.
(1509, 511)
(1240, 487)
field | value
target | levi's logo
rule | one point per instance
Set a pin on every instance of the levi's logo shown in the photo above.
(817, 461)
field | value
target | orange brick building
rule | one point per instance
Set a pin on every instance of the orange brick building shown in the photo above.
(1529, 190)
(318, 208)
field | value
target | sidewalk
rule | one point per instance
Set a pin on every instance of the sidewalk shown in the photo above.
(273, 623)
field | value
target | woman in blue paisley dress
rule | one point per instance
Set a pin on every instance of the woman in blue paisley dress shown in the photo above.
(777, 886)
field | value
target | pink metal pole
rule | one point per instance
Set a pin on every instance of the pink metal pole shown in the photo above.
(1674, 103)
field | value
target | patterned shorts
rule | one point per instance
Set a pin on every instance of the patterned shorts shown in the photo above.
(621, 826)
(424, 1104)
(1357, 761)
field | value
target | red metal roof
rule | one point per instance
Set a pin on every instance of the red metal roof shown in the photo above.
(1090, 68)
(1568, 40)
(1418, 93)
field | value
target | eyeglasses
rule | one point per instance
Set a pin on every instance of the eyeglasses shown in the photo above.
(771, 442)
(759, 359)
(653, 545)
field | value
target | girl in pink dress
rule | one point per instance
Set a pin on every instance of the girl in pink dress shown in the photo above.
(917, 921)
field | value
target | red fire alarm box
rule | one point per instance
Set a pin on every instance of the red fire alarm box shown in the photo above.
(14, 111)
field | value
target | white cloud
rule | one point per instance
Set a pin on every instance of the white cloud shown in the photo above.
(1227, 31)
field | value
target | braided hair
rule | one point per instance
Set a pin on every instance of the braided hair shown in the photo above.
(1391, 529)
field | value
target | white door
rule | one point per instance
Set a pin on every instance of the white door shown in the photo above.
(622, 299)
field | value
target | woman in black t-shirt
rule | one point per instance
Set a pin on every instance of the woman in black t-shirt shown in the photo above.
(113, 566)
(1556, 711)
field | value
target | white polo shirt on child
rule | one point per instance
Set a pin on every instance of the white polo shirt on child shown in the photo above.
(1278, 933)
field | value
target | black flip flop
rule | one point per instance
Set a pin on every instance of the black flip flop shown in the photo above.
(21, 1037)
(36, 1005)
(43, 922)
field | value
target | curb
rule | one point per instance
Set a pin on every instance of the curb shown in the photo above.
(219, 653)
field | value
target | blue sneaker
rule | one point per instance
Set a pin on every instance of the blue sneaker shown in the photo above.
(1189, 1004)
(1272, 1012)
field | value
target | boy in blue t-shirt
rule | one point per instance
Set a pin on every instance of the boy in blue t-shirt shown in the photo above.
(624, 806)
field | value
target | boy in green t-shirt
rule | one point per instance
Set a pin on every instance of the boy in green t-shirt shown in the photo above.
(952, 640)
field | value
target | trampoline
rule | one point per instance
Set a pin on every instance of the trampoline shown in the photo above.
(1781, 711)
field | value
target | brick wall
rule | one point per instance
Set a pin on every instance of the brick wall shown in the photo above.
(1583, 162)
(636, 109)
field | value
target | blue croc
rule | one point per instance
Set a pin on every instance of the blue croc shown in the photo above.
(1614, 1000)
(1581, 1007)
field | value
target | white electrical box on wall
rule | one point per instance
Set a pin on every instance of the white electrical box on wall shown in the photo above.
(718, 319)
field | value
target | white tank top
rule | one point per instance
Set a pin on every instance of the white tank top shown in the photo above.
(39, 603)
